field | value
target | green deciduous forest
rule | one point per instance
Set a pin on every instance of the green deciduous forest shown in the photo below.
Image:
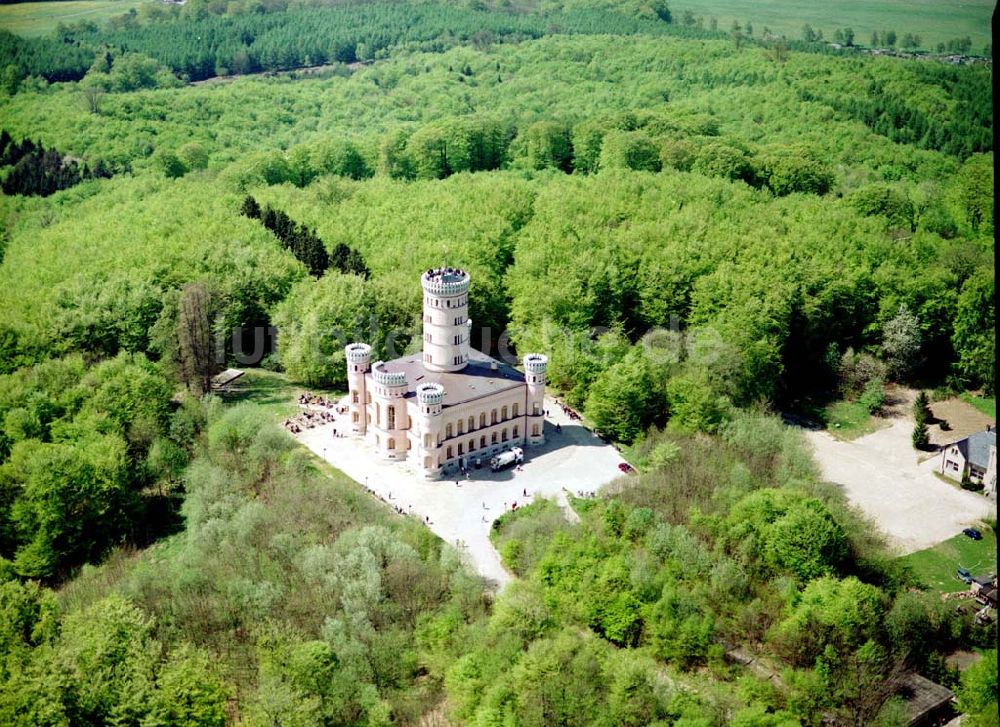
(700, 230)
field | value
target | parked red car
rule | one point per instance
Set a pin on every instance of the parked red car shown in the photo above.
(626, 467)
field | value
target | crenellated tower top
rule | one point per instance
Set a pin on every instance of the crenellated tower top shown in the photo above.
(535, 365)
(445, 281)
(359, 357)
(389, 379)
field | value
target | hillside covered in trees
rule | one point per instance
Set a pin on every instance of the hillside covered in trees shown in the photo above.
(699, 232)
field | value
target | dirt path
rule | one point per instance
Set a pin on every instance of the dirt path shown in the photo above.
(963, 419)
(300, 71)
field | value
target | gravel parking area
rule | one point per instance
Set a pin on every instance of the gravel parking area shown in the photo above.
(881, 475)
(461, 513)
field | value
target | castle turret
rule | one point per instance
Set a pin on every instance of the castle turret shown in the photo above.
(447, 328)
(359, 356)
(430, 398)
(535, 365)
(389, 419)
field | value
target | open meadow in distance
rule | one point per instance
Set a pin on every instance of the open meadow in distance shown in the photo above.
(933, 20)
(35, 19)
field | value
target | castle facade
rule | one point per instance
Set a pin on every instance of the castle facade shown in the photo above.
(450, 405)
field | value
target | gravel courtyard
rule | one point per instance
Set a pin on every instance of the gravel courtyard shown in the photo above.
(573, 460)
(881, 475)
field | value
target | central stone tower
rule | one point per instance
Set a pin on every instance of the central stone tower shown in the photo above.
(447, 328)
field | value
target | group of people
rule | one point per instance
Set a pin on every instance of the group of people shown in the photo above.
(586, 493)
(318, 410)
(398, 508)
(568, 411)
(308, 420)
(310, 399)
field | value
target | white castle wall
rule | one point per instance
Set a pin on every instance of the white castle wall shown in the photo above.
(420, 428)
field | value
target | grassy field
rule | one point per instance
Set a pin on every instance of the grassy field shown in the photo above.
(935, 21)
(850, 420)
(270, 391)
(984, 404)
(936, 567)
(34, 19)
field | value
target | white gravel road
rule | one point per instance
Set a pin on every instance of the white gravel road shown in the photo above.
(573, 460)
(881, 475)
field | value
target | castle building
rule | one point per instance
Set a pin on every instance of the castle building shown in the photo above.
(449, 405)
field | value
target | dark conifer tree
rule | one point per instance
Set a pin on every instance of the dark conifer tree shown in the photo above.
(250, 208)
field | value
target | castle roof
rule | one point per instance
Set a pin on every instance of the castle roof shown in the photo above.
(482, 376)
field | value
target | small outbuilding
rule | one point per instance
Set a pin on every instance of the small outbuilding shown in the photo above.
(927, 703)
(224, 379)
(984, 589)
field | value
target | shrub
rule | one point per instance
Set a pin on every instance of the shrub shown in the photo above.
(968, 484)
(856, 370)
(921, 409)
(510, 553)
(873, 397)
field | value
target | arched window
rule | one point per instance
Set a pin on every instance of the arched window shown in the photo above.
(472, 444)
(461, 427)
(503, 414)
(515, 431)
(354, 396)
(428, 463)
(428, 441)
(493, 417)
(534, 430)
(378, 413)
(354, 417)
(482, 420)
(390, 412)
(515, 409)
(461, 449)
(503, 435)
(392, 443)
(535, 408)
(447, 431)
(482, 441)
(493, 439)
(472, 423)
(447, 454)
